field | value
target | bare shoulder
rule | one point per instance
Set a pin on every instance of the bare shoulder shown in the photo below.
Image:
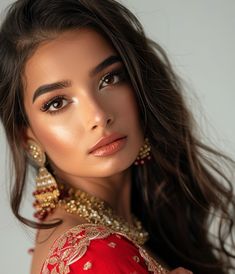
(46, 237)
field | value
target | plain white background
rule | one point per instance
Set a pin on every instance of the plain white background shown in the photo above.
(199, 39)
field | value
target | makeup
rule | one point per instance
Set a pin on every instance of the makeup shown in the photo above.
(110, 148)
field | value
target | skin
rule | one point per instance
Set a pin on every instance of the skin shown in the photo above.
(89, 113)
(86, 110)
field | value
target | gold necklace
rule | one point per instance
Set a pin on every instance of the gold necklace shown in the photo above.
(97, 211)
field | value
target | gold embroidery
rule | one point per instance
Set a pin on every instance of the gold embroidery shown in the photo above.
(136, 259)
(152, 265)
(69, 249)
(72, 245)
(112, 244)
(87, 265)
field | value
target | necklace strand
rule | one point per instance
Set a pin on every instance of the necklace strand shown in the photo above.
(97, 211)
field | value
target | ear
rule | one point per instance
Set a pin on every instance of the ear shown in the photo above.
(28, 134)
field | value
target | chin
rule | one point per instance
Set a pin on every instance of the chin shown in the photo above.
(110, 169)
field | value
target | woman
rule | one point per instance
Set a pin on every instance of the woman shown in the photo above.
(123, 184)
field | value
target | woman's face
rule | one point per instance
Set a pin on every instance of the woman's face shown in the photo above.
(71, 105)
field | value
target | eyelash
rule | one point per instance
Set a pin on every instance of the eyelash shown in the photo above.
(121, 73)
(46, 106)
(117, 72)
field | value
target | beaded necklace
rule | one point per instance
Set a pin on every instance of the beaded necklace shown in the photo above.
(97, 211)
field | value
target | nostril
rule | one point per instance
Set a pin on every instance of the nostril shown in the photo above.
(94, 127)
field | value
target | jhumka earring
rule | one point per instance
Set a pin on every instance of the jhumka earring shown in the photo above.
(144, 153)
(47, 192)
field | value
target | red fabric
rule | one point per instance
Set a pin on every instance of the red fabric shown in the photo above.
(115, 260)
(96, 249)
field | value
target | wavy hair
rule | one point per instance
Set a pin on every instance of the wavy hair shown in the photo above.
(184, 188)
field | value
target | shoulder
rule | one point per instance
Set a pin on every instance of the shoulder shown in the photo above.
(46, 237)
(97, 249)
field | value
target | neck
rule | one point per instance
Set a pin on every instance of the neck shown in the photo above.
(115, 190)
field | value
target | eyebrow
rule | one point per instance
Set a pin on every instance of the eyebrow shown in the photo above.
(66, 83)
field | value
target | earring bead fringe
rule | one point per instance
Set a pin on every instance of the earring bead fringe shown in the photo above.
(144, 153)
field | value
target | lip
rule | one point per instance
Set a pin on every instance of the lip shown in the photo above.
(104, 141)
(111, 148)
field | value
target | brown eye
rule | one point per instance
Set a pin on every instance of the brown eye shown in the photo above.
(109, 79)
(113, 78)
(55, 104)
(58, 103)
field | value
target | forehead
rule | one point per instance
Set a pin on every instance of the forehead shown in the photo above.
(75, 51)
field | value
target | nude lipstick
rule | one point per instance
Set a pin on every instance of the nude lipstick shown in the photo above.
(108, 145)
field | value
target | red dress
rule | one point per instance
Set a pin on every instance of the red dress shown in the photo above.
(90, 248)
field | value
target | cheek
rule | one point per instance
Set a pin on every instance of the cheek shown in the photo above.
(129, 117)
(58, 139)
(65, 140)
(129, 109)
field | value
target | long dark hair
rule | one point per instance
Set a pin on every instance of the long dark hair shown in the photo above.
(183, 189)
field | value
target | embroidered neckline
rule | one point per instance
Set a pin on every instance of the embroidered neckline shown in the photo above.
(72, 245)
(97, 211)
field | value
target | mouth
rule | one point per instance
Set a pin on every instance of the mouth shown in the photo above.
(108, 145)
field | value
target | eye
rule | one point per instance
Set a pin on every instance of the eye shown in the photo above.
(55, 104)
(113, 78)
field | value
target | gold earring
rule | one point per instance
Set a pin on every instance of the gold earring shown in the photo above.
(144, 153)
(47, 192)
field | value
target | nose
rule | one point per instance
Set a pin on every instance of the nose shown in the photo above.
(101, 121)
(99, 115)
